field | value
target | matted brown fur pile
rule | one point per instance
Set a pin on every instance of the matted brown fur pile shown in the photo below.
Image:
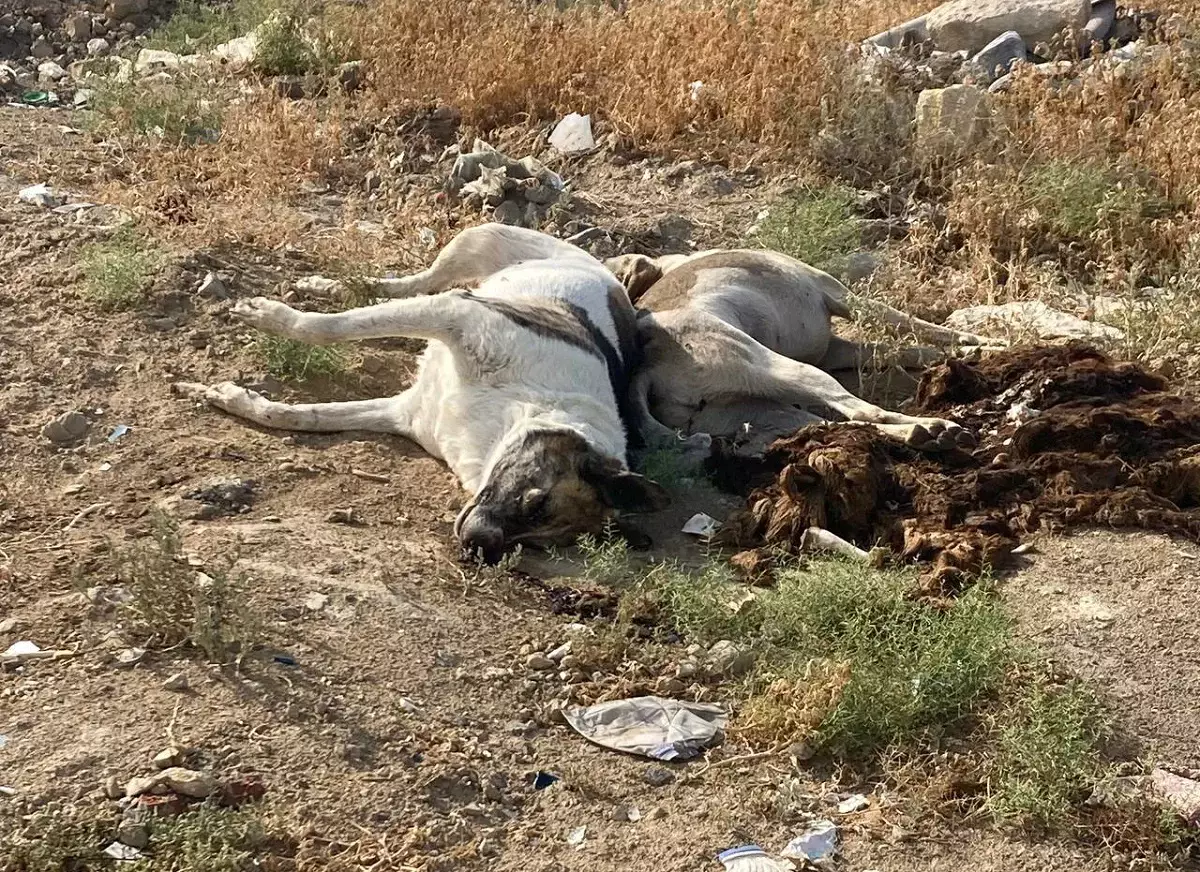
(1067, 437)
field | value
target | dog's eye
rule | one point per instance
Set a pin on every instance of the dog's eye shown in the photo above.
(534, 500)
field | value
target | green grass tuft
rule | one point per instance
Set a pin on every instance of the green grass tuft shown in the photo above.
(294, 360)
(1048, 755)
(1075, 199)
(181, 111)
(815, 226)
(118, 271)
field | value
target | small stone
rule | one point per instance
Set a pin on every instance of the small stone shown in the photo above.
(130, 657)
(342, 516)
(113, 788)
(188, 782)
(141, 784)
(314, 602)
(509, 212)
(686, 669)
(167, 758)
(657, 776)
(98, 47)
(122, 853)
(49, 71)
(539, 663)
(213, 288)
(860, 266)
(177, 683)
(41, 48)
(66, 428)
(79, 27)
(350, 75)
(560, 652)
(997, 57)
(133, 833)
(728, 659)
(8, 625)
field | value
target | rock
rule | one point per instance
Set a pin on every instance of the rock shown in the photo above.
(167, 758)
(188, 782)
(79, 27)
(729, 659)
(997, 57)
(291, 87)
(66, 428)
(177, 683)
(41, 48)
(343, 516)
(909, 33)
(130, 657)
(237, 53)
(1103, 15)
(213, 288)
(1179, 793)
(559, 653)
(657, 776)
(950, 121)
(119, 10)
(314, 602)
(1031, 317)
(539, 663)
(141, 784)
(509, 212)
(111, 67)
(122, 853)
(97, 47)
(134, 833)
(8, 625)
(350, 76)
(49, 71)
(150, 60)
(969, 25)
(860, 266)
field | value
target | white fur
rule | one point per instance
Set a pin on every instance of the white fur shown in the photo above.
(483, 380)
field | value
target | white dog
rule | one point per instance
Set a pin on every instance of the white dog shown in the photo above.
(739, 344)
(518, 391)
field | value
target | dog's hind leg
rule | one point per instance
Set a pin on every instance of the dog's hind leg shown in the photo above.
(846, 354)
(654, 432)
(475, 254)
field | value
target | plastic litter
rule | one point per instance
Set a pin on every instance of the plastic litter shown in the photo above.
(285, 659)
(851, 804)
(123, 853)
(701, 524)
(543, 779)
(816, 843)
(651, 726)
(41, 195)
(118, 431)
(751, 858)
(39, 98)
(573, 134)
(21, 649)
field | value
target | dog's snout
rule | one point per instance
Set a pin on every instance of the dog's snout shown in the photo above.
(481, 540)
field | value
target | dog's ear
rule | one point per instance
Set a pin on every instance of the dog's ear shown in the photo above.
(621, 489)
(636, 272)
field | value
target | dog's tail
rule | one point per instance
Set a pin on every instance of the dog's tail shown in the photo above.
(936, 333)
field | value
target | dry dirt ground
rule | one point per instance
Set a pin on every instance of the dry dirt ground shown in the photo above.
(360, 778)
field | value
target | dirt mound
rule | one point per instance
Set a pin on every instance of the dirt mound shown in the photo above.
(1067, 437)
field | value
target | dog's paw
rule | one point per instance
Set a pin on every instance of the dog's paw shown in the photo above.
(270, 315)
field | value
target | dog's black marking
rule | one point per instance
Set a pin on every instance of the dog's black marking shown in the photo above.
(570, 323)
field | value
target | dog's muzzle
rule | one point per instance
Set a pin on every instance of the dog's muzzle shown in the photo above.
(481, 538)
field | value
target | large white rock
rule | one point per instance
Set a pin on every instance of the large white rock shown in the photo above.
(1032, 317)
(969, 25)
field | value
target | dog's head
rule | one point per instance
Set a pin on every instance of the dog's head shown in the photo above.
(636, 272)
(548, 488)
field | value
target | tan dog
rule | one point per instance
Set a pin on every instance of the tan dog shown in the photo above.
(739, 344)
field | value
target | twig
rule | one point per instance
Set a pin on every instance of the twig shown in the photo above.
(83, 513)
(371, 476)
